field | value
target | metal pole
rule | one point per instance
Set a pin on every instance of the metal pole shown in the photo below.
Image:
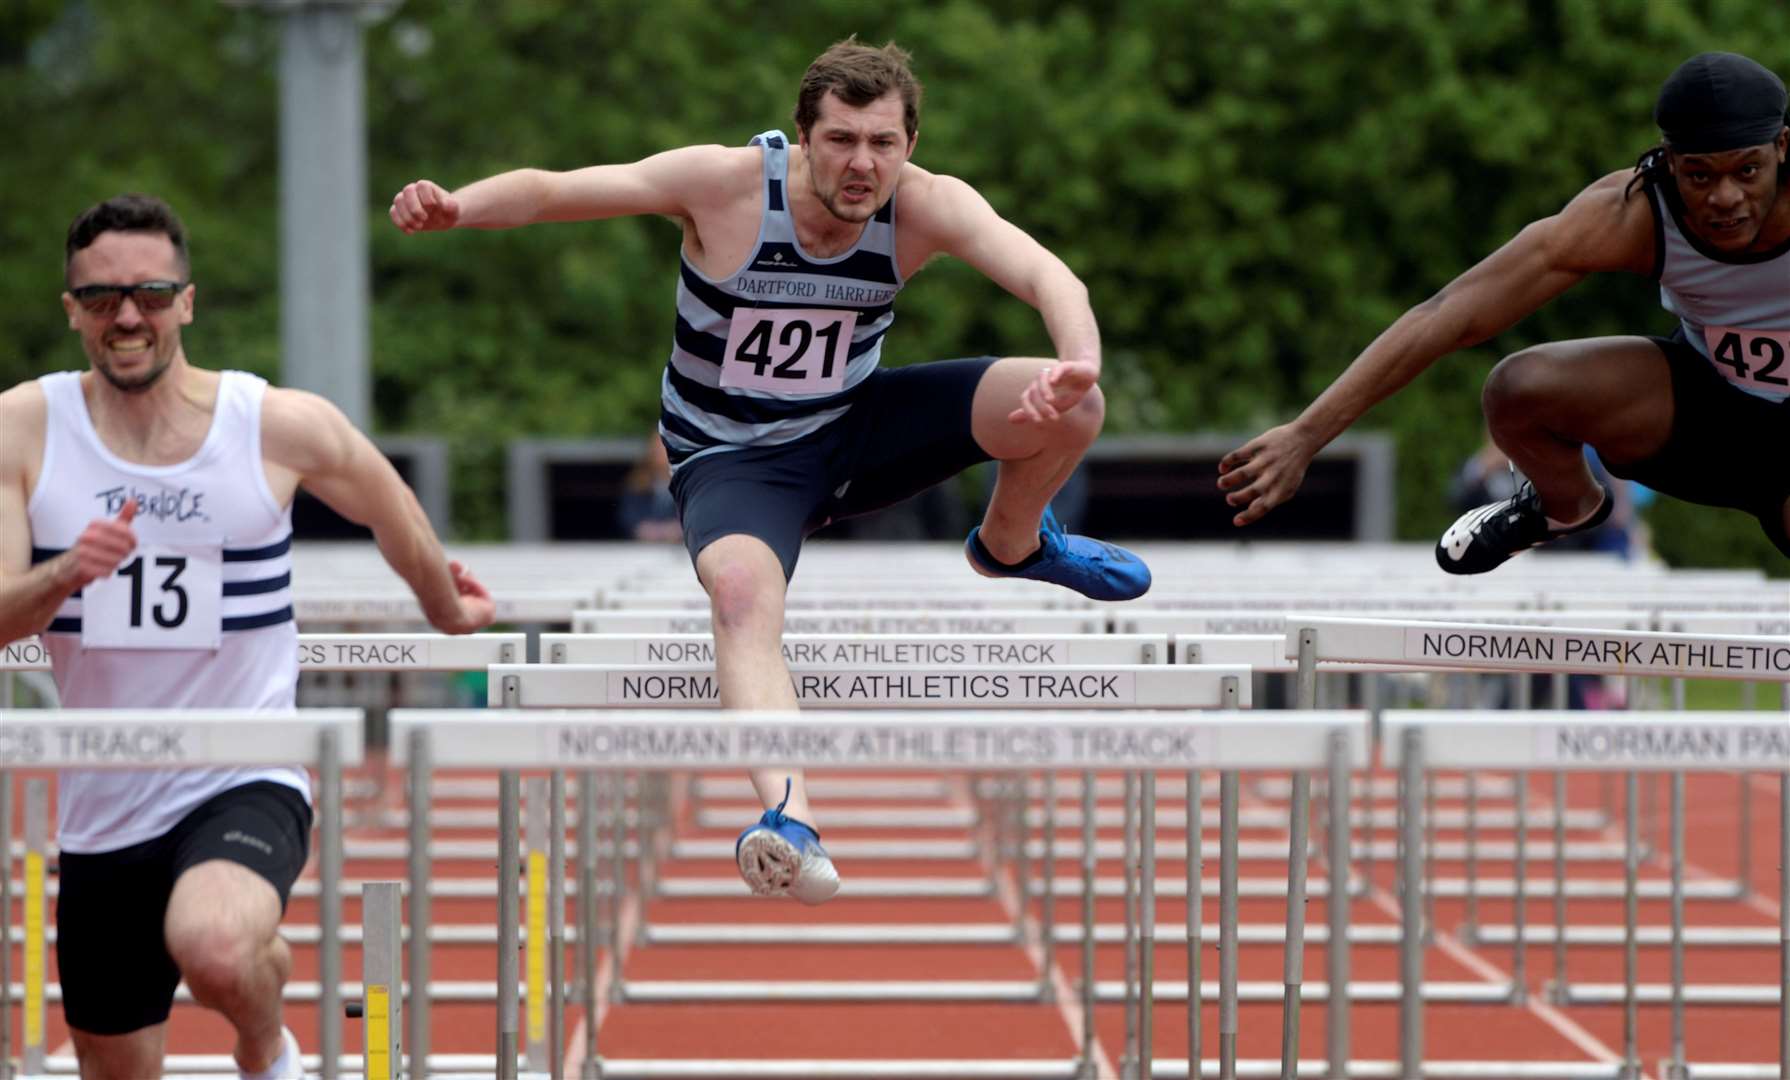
(1293, 954)
(1147, 945)
(556, 923)
(6, 926)
(329, 902)
(421, 806)
(37, 835)
(1519, 966)
(1307, 674)
(587, 912)
(1470, 920)
(1558, 688)
(1631, 957)
(1411, 912)
(1676, 1066)
(1784, 920)
(1090, 1041)
(1336, 956)
(508, 871)
(1047, 916)
(534, 955)
(382, 997)
(1127, 1055)
(1020, 807)
(1195, 871)
(1227, 925)
(618, 878)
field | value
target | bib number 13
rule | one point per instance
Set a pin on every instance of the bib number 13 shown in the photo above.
(164, 617)
(163, 597)
(793, 350)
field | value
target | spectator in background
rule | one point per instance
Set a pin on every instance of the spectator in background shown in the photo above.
(647, 511)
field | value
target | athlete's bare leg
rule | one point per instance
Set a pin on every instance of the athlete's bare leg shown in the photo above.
(136, 1055)
(744, 580)
(1035, 459)
(222, 929)
(1545, 403)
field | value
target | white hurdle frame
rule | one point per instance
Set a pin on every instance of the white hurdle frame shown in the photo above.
(1316, 640)
(328, 739)
(1017, 742)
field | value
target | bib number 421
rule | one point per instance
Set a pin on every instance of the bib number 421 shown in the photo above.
(790, 350)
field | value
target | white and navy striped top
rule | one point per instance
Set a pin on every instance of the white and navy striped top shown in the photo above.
(1734, 307)
(219, 496)
(700, 416)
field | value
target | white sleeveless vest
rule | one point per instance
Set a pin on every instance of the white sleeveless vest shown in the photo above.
(214, 507)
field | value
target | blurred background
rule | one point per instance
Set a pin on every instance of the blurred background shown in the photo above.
(1252, 189)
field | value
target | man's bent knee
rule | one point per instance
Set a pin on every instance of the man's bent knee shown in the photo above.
(744, 582)
(1518, 382)
(218, 964)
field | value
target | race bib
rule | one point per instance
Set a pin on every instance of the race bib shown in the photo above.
(1753, 360)
(161, 597)
(793, 350)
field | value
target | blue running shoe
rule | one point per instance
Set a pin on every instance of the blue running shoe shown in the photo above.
(1094, 568)
(780, 856)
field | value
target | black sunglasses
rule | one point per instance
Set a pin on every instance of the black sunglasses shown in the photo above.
(107, 299)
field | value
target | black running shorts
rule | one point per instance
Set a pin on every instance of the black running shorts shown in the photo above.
(1727, 447)
(117, 976)
(907, 431)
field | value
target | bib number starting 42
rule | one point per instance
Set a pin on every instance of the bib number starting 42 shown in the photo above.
(791, 350)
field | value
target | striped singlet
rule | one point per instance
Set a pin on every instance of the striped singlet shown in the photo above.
(779, 348)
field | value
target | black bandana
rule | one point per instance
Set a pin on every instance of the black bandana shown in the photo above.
(1720, 101)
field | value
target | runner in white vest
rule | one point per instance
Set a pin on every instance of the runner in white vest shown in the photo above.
(145, 531)
(1700, 414)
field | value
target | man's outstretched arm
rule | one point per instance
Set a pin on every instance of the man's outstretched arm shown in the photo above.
(335, 462)
(1600, 230)
(667, 183)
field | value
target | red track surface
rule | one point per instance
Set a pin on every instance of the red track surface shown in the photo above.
(988, 1030)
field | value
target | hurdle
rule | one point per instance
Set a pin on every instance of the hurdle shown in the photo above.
(1316, 639)
(327, 739)
(1019, 741)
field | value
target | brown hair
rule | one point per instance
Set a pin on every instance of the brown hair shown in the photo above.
(127, 213)
(859, 74)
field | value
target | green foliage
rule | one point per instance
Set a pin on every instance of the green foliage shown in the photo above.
(1252, 189)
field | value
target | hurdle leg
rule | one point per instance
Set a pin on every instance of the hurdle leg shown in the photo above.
(1195, 862)
(37, 831)
(1146, 1042)
(1047, 916)
(1675, 1066)
(1090, 1040)
(1336, 1015)
(1784, 919)
(382, 1000)
(421, 804)
(329, 906)
(534, 973)
(587, 913)
(1127, 1056)
(1631, 958)
(1561, 987)
(1411, 912)
(508, 871)
(1227, 925)
(1293, 954)
(556, 923)
(6, 925)
(618, 878)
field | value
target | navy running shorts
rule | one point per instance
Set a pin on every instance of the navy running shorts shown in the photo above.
(907, 430)
(1727, 447)
(117, 976)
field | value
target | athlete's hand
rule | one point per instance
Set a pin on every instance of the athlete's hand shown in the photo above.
(1265, 471)
(103, 544)
(1057, 389)
(424, 206)
(474, 610)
